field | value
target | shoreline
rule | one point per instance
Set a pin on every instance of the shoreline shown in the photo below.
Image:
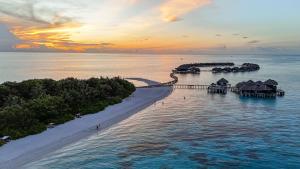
(19, 152)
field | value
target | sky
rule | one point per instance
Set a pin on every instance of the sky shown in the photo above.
(151, 26)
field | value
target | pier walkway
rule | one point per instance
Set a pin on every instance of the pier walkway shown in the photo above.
(170, 83)
(174, 84)
(187, 86)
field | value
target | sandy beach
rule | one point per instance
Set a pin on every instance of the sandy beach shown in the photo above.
(22, 151)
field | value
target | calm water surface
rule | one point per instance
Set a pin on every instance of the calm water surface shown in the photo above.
(202, 131)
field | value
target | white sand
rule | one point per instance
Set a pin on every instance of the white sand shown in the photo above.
(22, 151)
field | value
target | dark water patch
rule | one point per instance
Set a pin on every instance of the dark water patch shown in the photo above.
(126, 164)
(232, 164)
(222, 146)
(234, 153)
(145, 149)
(194, 144)
(200, 158)
(165, 166)
(176, 150)
(252, 154)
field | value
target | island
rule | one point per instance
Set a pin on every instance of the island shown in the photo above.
(30, 107)
(16, 153)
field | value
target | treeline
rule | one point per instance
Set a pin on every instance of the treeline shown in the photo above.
(27, 107)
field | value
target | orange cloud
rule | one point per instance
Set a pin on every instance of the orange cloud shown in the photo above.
(65, 30)
(172, 10)
(55, 36)
(23, 46)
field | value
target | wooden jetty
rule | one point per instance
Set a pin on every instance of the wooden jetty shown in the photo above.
(170, 83)
(187, 86)
(195, 86)
(221, 87)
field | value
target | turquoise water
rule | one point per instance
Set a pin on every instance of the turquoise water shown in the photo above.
(201, 131)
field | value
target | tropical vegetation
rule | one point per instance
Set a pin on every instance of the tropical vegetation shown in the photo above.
(27, 107)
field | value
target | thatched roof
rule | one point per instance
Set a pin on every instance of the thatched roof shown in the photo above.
(271, 82)
(250, 82)
(245, 88)
(239, 85)
(259, 83)
(222, 81)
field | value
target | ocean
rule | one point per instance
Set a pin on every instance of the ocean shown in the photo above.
(200, 131)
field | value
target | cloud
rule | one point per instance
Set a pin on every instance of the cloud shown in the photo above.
(57, 46)
(218, 35)
(253, 41)
(172, 10)
(45, 24)
(7, 40)
(245, 37)
(35, 11)
(106, 44)
(173, 19)
(41, 24)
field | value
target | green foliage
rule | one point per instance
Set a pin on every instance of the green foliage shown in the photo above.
(27, 107)
(2, 143)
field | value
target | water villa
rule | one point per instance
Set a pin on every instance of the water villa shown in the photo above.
(183, 69)
(246, 67)
(220, 88)
(267, 89)
(194, 67)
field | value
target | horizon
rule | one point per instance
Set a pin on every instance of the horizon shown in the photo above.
(163, 27)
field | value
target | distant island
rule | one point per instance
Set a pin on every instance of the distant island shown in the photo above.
(28, 107)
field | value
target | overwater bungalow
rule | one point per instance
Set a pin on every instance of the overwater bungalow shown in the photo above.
(222, 82)
(246, 67)
(184, 69)
(250, 66)
(217, 70)
(227, 70)
(258, 89)
(194, 67)
(220, 87)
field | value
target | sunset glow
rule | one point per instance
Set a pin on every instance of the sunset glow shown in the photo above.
(152, 26)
